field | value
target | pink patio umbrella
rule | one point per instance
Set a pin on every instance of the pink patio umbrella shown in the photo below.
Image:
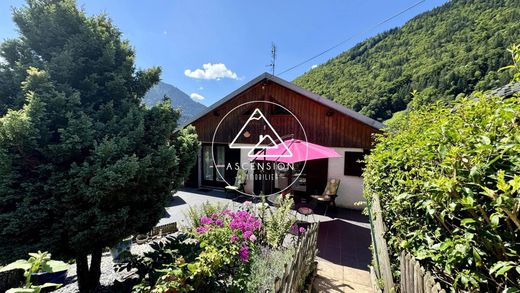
(293, 151)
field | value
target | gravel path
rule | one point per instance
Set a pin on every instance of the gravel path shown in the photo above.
(108, 275)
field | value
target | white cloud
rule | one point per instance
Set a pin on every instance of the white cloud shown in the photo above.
(201, 88)
(211, 71)
(165, 32)
(314, 66)
(197, 97)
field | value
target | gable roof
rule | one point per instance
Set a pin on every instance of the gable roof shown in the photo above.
(322, 100)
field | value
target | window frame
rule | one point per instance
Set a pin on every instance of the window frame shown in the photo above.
(351, 164)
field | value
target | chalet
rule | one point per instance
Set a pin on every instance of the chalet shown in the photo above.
(291, 111)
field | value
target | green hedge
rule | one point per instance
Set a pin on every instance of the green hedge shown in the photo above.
(449, 183)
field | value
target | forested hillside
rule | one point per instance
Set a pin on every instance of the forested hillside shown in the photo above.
(456, 48)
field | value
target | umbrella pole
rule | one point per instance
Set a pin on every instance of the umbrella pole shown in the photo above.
(289, 177)
(263, 173)
(289, 172)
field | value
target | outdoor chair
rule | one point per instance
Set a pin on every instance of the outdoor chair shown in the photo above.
(329, 194)
(240, 182)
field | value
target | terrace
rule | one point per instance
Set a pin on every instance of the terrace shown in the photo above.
(343, 239)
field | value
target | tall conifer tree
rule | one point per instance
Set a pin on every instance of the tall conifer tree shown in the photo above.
(83, 164)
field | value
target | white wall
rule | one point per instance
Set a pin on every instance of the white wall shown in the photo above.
(351, 187)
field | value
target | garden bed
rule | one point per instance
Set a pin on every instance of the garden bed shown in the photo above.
(248, 250)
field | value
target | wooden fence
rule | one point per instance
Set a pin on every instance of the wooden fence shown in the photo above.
(303, 266)
(414, 278)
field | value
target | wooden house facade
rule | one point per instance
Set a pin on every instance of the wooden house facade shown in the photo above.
(292, 111)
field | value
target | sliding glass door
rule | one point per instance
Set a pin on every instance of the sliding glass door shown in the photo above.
(210, 177)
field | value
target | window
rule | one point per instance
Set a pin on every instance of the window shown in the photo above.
(208, 168)
(221, 161)
(353, 166)
(207, 163)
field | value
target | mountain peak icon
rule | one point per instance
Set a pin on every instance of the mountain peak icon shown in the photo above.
(257, 115)
(264, 141)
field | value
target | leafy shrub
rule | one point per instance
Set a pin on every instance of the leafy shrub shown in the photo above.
(449, 185)
(225, 251)
(179, 247)
(195, 213)
(515, 67)
(277, 223)
(265, 267)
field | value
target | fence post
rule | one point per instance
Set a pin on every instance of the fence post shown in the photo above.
(380, 247)
(417, 284)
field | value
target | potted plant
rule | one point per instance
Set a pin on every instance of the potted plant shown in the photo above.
(141, 238)
(40, 272)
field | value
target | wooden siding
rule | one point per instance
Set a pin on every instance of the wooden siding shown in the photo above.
(323, 125)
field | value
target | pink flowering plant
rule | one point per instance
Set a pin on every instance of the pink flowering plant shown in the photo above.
(228, 240)
(236, 251)
(235, 233)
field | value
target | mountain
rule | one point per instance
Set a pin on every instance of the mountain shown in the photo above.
(455, 48)
(179, 99)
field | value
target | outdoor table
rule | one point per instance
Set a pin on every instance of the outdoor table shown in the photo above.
(306, 211)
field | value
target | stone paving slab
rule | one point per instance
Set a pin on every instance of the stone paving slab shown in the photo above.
(338, 278)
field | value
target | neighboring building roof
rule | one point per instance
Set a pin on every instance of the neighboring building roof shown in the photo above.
(322, 100)
(506, 91)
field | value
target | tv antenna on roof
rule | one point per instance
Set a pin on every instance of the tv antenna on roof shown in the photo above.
(273, 58)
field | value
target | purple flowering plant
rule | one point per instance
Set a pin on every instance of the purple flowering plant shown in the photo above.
(228, 237)
(230, 245)
(296, 230)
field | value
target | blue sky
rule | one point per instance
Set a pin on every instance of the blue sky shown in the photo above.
(210, 48)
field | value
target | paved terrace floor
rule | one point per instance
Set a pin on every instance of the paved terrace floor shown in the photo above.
(343, 239)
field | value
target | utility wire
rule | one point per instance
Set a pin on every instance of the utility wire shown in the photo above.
(351, 37)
